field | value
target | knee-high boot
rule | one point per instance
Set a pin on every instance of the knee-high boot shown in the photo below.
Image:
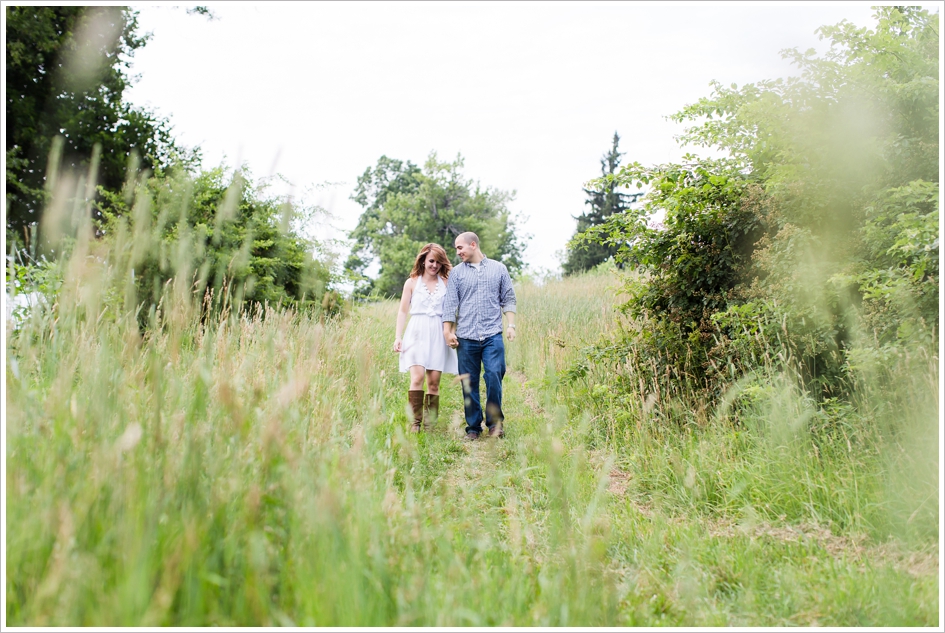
(431, 410)
(415, 397)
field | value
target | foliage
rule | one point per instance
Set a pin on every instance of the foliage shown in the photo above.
(388, 178)
(604, 202)
(220, 233)
(66, 73)
(689, 265)
(32, 283)
(405, 208)
(253, 469)
(816, 237)
(66, 76)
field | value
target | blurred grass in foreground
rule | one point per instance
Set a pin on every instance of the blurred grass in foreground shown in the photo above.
(769, 509)
(252, 468)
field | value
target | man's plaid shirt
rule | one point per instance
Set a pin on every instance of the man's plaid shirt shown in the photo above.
(480, 296)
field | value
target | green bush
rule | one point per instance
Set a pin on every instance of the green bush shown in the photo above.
(219, 233)
(813, 239)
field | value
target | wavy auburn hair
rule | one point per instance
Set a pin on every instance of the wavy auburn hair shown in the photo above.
(438, 254)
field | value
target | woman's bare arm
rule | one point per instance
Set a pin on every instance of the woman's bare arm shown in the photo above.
(402, 314)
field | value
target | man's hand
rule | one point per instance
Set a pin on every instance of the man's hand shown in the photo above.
(510, 325)
(449, 334)
(451, 340)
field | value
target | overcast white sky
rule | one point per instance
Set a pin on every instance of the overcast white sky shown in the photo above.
(529, 93)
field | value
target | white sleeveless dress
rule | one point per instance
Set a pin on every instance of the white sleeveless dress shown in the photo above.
(423, 342)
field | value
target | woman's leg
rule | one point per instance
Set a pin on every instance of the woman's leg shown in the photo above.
(416, 377)
(433, 382)
(431, 401)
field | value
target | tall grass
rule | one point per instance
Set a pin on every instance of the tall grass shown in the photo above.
(767, 508)
(257, 471)
(866, 464)
(252, 467)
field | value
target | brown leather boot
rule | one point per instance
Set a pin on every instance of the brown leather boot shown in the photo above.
(415, 397)
(431, 410)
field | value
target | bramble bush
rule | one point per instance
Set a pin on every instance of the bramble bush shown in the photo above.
(812, 244)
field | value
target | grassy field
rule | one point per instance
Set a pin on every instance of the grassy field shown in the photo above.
(258, 471)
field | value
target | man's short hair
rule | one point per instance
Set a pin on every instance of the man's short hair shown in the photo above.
(469, 237)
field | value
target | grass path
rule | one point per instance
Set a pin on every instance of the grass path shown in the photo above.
(667, 566)
(483, 458)
(260, 473)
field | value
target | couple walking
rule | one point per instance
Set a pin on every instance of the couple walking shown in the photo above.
(456, 328)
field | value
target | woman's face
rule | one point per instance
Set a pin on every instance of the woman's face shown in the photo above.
(431, 266)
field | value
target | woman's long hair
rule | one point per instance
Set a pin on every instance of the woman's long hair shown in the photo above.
(438, 254)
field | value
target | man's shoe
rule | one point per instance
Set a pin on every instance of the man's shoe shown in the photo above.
(471, 436)
(497, 431)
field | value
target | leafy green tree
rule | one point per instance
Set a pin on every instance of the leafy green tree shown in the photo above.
(814, 244)
(604, 201)
(405, 208)
(694, 263)
(389, 177)
(66, 73)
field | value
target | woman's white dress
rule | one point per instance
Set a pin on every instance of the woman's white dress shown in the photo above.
(423, 343)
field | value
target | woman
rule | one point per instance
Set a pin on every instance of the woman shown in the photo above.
(423, 350)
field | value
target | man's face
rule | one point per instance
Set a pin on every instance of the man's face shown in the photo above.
(463, 250)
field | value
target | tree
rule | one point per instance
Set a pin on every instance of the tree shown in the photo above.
(815, 241)
(388, 178)
(405, 208)
(604, 202)
(66, 76)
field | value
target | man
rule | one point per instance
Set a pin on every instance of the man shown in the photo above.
(478, 292)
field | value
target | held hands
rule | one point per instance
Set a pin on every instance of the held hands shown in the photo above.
(451, 340)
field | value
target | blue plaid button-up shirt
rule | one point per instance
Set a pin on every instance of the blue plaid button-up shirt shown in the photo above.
(476, 298)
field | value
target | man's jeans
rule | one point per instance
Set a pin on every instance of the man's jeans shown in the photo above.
(489, 355)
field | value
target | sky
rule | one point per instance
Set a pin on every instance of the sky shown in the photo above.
(530, 94)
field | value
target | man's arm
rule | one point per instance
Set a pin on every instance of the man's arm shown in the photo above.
(507, 301)
(450, 309)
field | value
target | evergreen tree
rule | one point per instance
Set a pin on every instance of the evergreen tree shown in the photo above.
(604, 203)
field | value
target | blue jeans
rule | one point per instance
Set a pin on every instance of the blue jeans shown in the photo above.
(487, 356)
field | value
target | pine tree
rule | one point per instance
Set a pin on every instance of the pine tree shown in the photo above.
(603, 203)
